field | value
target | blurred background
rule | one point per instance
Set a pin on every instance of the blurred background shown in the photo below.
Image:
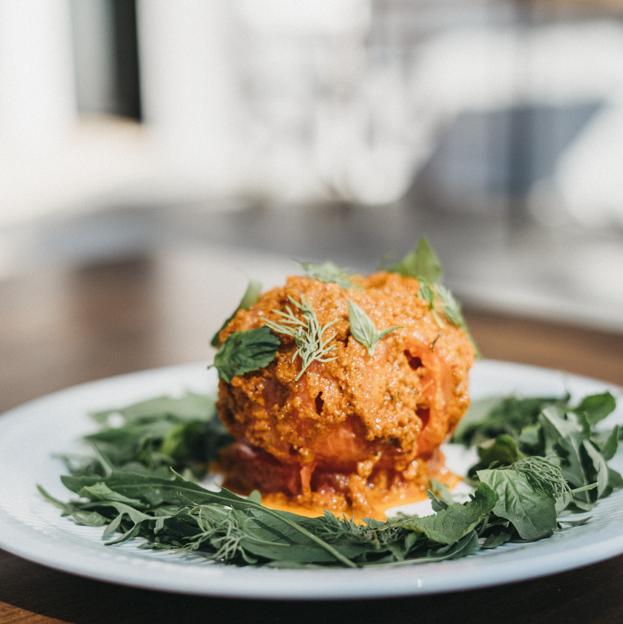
(241, 133)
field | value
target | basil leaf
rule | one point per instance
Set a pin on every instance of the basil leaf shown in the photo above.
(600, 468)
(451, 524)
(246, 351)
(564, 438)
(596, 407)
(439, 495)
(611, 444)
(490, 417)
(615, 480)
(497, 537)
(421, 262)
(329, 273)
(250, 298)
(500, 451)
(531, 512)
(454, 314)
(363, 330)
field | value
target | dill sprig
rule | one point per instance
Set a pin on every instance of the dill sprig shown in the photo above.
(312, 345)
(543, 475)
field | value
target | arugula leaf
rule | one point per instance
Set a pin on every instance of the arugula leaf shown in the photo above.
(246, 351)
(363, 330)
(329, 273)
(421, 262)
(531, 512)
(250, 298)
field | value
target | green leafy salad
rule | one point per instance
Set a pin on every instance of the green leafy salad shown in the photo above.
(542, 466)
(542, 462)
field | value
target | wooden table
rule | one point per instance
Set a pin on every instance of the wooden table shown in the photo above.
(65, 326)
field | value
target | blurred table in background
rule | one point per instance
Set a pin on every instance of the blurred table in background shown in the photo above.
(63, 326)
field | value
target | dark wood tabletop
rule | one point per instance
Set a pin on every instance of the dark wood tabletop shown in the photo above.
(62, 326)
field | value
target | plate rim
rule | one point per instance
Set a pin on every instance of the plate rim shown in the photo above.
(23, 541)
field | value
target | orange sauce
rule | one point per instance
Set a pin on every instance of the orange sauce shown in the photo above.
(380, 502)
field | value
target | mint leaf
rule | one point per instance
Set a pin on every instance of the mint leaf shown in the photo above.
(363, 330)
(421, 262)
(250, 298)
(329, 273)
(246, 351)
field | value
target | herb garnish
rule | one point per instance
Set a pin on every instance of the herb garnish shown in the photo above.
(523, 492)
(151, 436)
(329, 273)
(453, 312)
(423, 264)
(552, 443)
(250, 297)
(312, 345)
(245, 352)
(363, 329)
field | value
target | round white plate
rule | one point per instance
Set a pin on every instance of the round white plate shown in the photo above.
(33, 529)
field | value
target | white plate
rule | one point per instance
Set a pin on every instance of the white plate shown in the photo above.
(33, 529)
